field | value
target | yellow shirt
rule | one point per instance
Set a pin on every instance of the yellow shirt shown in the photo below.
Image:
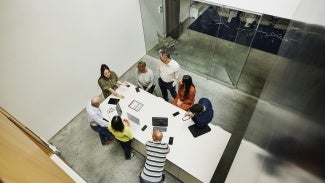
(124, 136)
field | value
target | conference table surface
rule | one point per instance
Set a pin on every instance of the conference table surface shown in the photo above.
(197, 156)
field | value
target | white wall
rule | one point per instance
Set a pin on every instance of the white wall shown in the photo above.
(51, 51)
(184, 10)
(301, 10)
(153, 21)
(311, 11)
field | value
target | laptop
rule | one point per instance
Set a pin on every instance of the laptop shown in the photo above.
(118, 109)
(114, 110)
(134, 121)
(160, 123)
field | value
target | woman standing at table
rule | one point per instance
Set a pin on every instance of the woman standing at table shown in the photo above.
(109, 82)
(186, 93)
(123, 134)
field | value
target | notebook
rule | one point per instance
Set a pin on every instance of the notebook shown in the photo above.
(198, 131)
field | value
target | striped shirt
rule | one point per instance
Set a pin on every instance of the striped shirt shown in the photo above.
(155, 162)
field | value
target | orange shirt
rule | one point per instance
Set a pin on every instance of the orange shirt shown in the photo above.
(187, 102)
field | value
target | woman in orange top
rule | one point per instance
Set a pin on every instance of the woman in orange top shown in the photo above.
(186, 93)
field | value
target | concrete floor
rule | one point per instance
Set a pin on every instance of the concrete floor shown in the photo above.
(80, 146)
(229, 63)
(81, 149)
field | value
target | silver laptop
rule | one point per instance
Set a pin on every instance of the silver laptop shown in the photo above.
(113, 110)
(160, 123)
(118, 109)
(134, 121)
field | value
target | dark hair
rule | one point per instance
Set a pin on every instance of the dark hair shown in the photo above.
(187, 83)
(164, 53)
(142, 63)
(117, 124)
(103, 67)
(197, 108)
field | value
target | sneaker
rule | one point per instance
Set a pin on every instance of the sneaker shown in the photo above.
(132, 155)
(163, 178)
(108, 141)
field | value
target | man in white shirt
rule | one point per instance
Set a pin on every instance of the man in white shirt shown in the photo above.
(97, 121)
(168, 74)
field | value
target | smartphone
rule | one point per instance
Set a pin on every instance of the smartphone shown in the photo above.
(144, 128)
(171, 140)
(137, 89)
(185, 118)
(176, 113)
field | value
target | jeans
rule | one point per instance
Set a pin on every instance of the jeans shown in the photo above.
(167, 86)
(103, 133)
(126, 146)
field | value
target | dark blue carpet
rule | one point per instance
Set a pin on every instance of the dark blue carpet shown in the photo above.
(266, 38)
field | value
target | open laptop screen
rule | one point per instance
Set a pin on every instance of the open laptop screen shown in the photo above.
(118, 109)
(159, 121)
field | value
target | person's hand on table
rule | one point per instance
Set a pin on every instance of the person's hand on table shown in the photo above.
(118, 95)
(125, 83)
(190, 114)
(179, 102)
(126, 122)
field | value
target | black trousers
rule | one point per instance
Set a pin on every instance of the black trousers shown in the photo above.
(167, 86)
(126, 146)
(151, 89)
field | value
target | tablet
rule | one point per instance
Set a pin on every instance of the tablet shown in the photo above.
(198, 131)
(113, 101)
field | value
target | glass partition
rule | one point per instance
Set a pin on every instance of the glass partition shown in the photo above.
(153, 21)
(214, 41)
(242, 27)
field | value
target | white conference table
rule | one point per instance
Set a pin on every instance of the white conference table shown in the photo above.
(190, 159)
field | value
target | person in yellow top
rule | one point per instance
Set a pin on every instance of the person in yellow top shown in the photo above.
(123, 134)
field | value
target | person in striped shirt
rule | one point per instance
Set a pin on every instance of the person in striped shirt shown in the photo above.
(156, 157)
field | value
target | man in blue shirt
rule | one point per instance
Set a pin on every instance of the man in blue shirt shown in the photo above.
(201, 113)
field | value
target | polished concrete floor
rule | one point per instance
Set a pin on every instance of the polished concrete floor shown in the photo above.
(80, 146)
(232, 64)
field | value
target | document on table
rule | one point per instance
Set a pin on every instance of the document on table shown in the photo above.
(135, 105)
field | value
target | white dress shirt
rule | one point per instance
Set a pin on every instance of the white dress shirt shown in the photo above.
(169, 72)
(95, 116)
